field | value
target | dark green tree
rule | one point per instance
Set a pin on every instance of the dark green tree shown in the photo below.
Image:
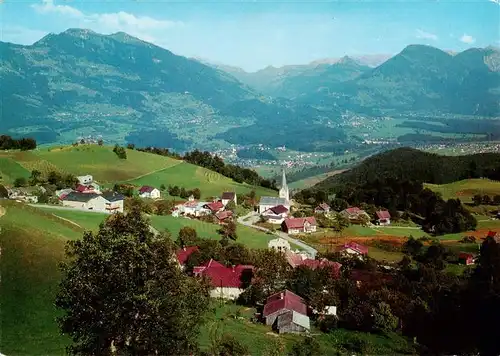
(35, 177)
(187, 237)
(20, 182)
(229, 231)
(122, 293)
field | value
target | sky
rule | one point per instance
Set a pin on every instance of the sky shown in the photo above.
(253, 34)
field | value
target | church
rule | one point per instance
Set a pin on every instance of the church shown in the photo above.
(271, 202)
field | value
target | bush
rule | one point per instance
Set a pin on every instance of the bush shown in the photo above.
(327, 323)
(20, 182)
(468, 240)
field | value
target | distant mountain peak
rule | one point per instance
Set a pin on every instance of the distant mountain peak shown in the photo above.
(347, 60)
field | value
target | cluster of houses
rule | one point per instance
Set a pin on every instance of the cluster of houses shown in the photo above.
(216, 207)
(87, 195)
(285, 311)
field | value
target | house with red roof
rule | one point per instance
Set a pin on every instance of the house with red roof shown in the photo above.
(223, 216)
(294, 226)
(466, 258)
(353, 248)
(184, 253)
(85, 189)
(229, 196)
(286, 312)
(214, 206)
(276, 215)
(149, 192)
(383, 217)
(227, 282)
(295, 260)
(355, 214)
(323, 208)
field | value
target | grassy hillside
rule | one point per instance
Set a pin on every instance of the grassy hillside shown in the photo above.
(466, 189)
(140, 168)
(247, 236)
(32, 243)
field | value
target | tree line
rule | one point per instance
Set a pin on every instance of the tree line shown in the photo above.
(422, 205)
(23, 144)
(215, 163)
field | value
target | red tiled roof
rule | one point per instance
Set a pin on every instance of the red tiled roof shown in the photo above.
(191, 204)
(354, 246)
(184, 253)
(323, 263)
(83, 189)
(222, 276)
(284, 300)
(228, 195)
(146, 189)
(383, 214)
(298, 223)
(221, 215)
(279, 209)
(323, 206)
(465, 255)
(293, 259)
(215, 206)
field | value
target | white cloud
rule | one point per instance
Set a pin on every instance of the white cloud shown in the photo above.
(426, 35)
(48, 6)
(496, 1)
(467, 39)
(144, 27)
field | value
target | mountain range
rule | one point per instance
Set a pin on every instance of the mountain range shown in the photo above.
(80, 83)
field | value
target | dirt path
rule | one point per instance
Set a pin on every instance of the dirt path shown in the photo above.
(68, 220)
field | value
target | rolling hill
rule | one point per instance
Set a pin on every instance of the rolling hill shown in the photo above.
(80, 83)
(414, 165)
(140, 168)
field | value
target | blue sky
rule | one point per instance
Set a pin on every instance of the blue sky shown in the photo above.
(255, 34)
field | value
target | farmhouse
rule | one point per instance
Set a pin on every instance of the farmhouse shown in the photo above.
(114, 202)
(295, 260)
(86, 201)
(383, 217)
(279, 244)
(229, 196)
(323, 208)
(270, 202)
(466, 258)
(86, 189)
(294, 226)
(355, 214)
(192, 207)
(214, 207)
(227, 282)
(223, 216)
(353, 248)
(286, 312)
(147, 191)
(276, 214)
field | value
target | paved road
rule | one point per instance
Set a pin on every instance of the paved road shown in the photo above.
(251, 218)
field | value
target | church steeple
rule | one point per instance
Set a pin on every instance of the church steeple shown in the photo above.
(284, 193)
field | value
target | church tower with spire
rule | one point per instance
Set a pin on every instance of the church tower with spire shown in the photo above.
(284, 193)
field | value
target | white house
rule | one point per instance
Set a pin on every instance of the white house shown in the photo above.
(85, 180)
(86, 201)
(229, 196)
(227, 282)
(276, 214)
(279, 244)
(193, 207)
(114, 202)
(147, 191)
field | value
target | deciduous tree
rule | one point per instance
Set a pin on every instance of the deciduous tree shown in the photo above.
(121, 292)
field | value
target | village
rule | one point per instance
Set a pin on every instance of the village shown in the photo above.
(284, 311)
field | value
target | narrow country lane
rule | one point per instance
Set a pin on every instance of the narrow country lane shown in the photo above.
(251, 218)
